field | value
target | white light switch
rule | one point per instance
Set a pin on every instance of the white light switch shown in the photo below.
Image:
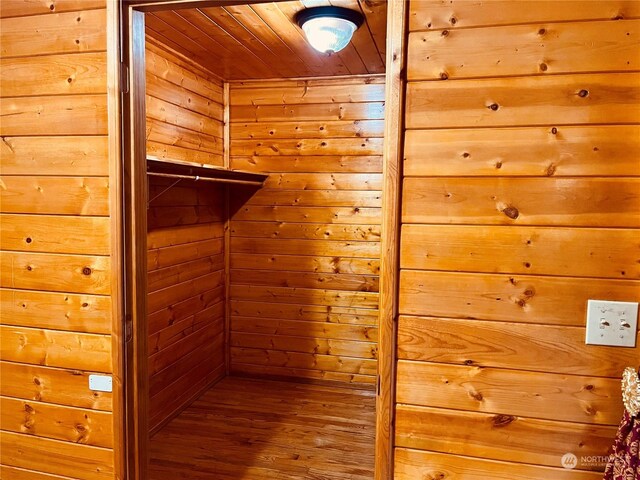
(100, 383)
(612, 323)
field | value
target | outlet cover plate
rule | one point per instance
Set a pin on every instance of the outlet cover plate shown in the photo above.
(612, 323)
(100, 383)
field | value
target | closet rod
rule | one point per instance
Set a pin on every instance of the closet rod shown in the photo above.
(205, 179)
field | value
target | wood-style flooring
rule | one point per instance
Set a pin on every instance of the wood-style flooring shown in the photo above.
(261, 429)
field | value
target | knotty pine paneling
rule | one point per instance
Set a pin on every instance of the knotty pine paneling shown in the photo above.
(55, 288)
(184, 109)
(305, 249)
(262, 40)
(412, 464)
(185, 302)
(519, 204)
(56, 243)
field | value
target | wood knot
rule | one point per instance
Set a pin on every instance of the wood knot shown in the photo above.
(36, 380)
(551, 169)
(589, 387)
(85, 305)
(542, 31)
(477, 396)
(444, 76)
(29, 268)
(468, 362)
(494, 107)
(583, 93)
(453, 20)
(500, 421)
(445, 33)
(511, 212)
(28, 408)
(554, 130)
(543, 67)
(86, 271)
(28, 240)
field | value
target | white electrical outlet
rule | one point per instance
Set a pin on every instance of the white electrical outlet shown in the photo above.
(612, 323)
(100, 383)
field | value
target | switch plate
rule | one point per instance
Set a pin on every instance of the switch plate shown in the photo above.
(100, 383)
(612, 323)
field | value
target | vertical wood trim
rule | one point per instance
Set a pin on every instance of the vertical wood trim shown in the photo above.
(226, 153)
(390, 237)
(136, 254)
(115, 201)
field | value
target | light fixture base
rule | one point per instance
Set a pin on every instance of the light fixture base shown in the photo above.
(353, 16)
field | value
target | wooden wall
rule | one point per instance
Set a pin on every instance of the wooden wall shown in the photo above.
(521, 200)
(184, 108)
(186, 267)
(305, 248)
(56, 262)
(186, 295)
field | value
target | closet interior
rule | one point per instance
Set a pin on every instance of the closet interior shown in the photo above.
(264, 171)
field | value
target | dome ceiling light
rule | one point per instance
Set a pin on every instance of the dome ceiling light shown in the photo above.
(329, 29)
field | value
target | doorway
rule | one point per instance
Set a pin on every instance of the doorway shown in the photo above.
(293, 307)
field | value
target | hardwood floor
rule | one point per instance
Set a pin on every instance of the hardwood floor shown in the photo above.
(261, 429)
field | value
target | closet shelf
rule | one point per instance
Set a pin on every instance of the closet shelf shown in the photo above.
(195, 171)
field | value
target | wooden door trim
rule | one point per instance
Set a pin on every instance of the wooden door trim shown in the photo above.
(159, 5)
(117, 240)
(390, 237)
(135, 231)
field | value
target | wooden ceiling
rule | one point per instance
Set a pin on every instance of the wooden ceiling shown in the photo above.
(262, 40)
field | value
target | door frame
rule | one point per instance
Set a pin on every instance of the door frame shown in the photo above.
(132, 220)
(397, 12)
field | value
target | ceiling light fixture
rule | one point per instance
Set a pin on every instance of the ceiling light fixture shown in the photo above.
(329, 29)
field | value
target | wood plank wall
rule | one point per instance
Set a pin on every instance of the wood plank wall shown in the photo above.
(521, 201)
(186, 295)
(56, 263)
(184, 108)
(186, 270)
(305, 248)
